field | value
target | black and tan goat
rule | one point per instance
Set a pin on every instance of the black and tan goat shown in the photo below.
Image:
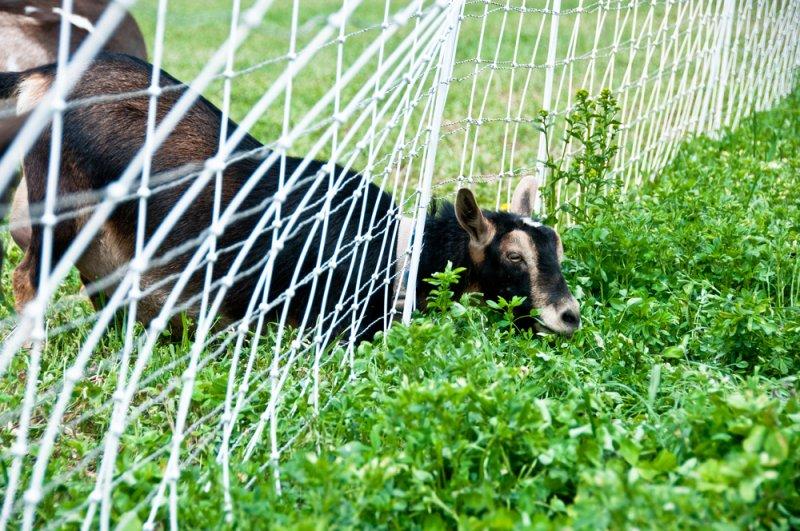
(505, 254)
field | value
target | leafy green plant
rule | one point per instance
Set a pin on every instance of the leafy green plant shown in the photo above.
(588, 147)
(506, 309)
(441, 297)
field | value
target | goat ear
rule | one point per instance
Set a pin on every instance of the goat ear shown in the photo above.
(524, 196)
(471, 219)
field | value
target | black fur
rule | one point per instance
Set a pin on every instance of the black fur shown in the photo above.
(8, 84)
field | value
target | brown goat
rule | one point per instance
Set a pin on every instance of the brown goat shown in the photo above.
(29, 34)
(29, 31)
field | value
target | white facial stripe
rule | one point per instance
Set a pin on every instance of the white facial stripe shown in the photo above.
(531, 223)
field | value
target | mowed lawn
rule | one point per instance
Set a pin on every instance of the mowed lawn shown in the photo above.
(676, 405)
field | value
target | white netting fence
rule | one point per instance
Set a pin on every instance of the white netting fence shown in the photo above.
(410, 97)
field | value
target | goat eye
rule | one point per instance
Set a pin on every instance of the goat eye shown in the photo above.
(514, 257)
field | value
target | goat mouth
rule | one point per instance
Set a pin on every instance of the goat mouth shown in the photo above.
(544, 329)
(535, 323)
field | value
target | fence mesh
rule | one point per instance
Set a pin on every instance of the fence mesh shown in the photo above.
(350, 98)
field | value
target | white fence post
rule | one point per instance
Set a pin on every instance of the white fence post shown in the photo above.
(541, 166)
(441, 84)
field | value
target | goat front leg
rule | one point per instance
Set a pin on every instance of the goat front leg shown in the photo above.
(25, 279)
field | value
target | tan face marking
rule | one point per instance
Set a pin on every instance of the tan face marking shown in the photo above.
(559, 248)
(518, 241)
(477, 248)
(31, 91)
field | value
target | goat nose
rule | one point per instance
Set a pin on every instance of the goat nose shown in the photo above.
(571, 319)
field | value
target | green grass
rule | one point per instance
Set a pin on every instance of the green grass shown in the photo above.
(676, 404)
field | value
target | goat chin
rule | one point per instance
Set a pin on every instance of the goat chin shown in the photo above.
(539, 325)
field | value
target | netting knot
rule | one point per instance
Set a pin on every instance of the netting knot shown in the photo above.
(158, 324)
(252, 18)
(139, 264)
(73, 375)
(19, 449)
(116, 192)
(58, 104)
(49, 219)
(172, 474)
(336, 19)
(215, 164)
(116, 428)
(33, 309)
(33, 496)
(216, 229)
(284, 143)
